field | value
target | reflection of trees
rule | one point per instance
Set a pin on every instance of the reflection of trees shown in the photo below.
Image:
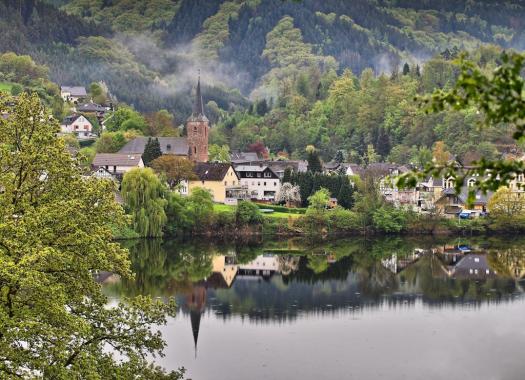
(320, 278)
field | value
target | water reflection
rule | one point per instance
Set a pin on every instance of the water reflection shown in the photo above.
(279, 281)
(377, 302)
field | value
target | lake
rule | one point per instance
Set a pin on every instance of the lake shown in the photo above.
(392, 308)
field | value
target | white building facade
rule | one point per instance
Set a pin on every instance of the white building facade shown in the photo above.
(79, 125)
(262, 183)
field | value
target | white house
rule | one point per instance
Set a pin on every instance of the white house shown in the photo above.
(262, 182)
(116, 163)
(72, 93)
(77, 124)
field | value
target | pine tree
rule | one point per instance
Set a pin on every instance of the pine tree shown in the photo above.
(314, 162)
(345, 198)
(287, 177)
(406, 69)
(339, 157)
(151, 151)
(418, 71)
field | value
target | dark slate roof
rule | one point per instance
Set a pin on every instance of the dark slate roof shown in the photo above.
(279, 166)
(70, 119)
(244, 157)
(472, 263)
(91, 107)
(116, 159)
(168, 145)
(211, 171)
(78, 91)
(382, 168)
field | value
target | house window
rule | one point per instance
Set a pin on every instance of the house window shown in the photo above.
(471, 182)
(275, 183)
(449, 183)
(265, 184)
(249, 175)
(225, 183)
(258, 175)
(267, 175)
(168, 147)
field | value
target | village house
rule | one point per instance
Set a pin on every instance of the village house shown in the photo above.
(262, 183)
(117, 164)
(220, 180)
(77, 124)
(72, 94)
(238, 157)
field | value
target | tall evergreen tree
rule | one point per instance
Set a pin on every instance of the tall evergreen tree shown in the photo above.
(314, 162)
(151, 151)
(345, 198)
(406, 69)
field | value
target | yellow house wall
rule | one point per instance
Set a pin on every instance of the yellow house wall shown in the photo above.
(217, 188)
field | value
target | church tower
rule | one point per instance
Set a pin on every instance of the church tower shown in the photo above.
(197, 128)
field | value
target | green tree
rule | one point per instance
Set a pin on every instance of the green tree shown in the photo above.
(389, 219)
(218, 153)
(200, 207)
(345, 197)
(248, 213)
(506, 203)
(319, 200)
(144, 195)
(110, 142)
(152, 151)
(314, 161)
(55, 233)
(175, 169)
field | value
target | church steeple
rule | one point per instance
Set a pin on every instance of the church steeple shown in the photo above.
(197, 127)
(198, 106)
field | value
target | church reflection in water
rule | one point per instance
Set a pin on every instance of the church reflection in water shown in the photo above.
(287, 280)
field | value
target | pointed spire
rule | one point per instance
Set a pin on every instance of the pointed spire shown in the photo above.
(195, 317)
(198, 107)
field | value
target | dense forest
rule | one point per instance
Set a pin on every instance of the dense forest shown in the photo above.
(337, 75)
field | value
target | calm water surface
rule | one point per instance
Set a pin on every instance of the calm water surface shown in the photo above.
(350, 309)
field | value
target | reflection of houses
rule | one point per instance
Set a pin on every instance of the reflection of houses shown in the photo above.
(397, 264)
(473, 266)
(264, 265)
(225, 270)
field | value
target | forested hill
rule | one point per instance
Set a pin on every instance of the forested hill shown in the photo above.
(147, 51)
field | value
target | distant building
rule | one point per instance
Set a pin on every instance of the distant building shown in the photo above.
(73, 93)
(116, 163)
(177, 146)
(244, 157)
(262, 183)
(220, 179)
(78, 125)
(193, 147)
(92, 108)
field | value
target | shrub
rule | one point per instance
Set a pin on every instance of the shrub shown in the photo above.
(248, 213)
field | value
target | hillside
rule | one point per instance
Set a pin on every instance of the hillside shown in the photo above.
(149, 51)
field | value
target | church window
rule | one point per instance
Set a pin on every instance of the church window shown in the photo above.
(225, 183)
(195, 129)
(195, 149)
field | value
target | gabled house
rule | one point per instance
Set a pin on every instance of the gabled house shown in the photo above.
(72, 93)
(261, 181)
(77, 124)
(117, 164)
(220, 180)
(452, 204)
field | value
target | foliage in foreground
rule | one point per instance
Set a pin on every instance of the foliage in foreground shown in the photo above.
(55, 234)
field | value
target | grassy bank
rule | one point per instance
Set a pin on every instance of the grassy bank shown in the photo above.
(6, 87)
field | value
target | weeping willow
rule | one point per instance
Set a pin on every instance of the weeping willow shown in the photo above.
(144, 194)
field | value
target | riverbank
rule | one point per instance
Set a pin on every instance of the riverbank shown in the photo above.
(224, 223)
